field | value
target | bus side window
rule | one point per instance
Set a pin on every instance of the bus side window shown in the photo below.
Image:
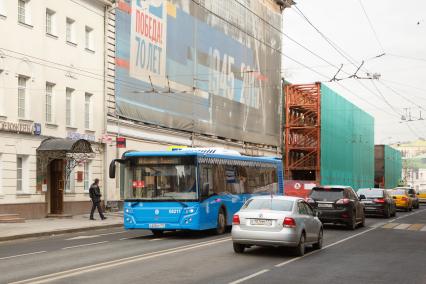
(206, 181)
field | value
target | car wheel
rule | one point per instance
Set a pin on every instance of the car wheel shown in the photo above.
(411, 208)
(318, 245)
(407, 209)
(221, 223)
(363, 221)
(300, 249)
(238, 248)
(394, 212)
(352, 224)
(417, 206)
(158, 233)
(387, 213)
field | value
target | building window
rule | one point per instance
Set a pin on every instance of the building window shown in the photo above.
(87, 110)
(3, 8)
(87, 175)
(22, 89)
(49, 102)
(1, 172)
(24, 12)
(68, 107)
(70, 30)
(70, 180)
(19, 174)
(89, 38)
(50, 22)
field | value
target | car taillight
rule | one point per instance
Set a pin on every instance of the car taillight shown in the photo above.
(309, 200)
(343, 201)
(289, 222)
(379, 200)
(236, 220)
(404, 198)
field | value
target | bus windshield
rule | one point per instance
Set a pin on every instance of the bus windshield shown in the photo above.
(156, 179)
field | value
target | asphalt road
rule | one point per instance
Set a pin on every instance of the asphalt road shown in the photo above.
(385, 251)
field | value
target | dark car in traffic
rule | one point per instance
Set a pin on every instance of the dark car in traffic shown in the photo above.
(377, 201)
(337, 205)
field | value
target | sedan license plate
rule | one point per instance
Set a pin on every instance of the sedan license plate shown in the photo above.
(157, 226)
(325, 205)
(261, 222)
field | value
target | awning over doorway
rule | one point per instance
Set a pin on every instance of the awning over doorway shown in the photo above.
(65, 145)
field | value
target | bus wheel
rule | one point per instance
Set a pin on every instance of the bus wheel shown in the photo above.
(157, 233)
(221, 222)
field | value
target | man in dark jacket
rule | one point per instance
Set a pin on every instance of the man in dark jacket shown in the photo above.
(95, 195)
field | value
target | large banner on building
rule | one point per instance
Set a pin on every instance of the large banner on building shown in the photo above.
(207, 66)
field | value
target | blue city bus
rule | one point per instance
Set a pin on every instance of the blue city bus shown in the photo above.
(192, 189)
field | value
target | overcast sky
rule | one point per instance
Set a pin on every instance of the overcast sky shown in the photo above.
(401, 31)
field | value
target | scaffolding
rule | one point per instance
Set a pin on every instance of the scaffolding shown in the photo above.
(302, 132)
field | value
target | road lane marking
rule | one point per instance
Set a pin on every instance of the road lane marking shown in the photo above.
(402, 226)
(93, 236)
(423, 229)
(249, 277)
(415, 227)
(122, 239)
(113, 263)
(154, 240)
(25, 254)
(85, 245)
(390, 225)
(376, 225)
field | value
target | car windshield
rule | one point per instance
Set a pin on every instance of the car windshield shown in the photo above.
(398, 192)
(153, 179)
(269, 204)
(371, 193)
(326, 194)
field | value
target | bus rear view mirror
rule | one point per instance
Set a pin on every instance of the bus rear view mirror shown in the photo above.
(112, 167)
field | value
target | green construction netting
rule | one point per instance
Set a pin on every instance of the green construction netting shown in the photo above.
(393, 167)
(347, 142)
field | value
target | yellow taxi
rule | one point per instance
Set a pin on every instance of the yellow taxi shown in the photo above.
(402, 199)
(422, 195)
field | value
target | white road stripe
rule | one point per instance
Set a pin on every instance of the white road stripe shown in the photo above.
(85, 245)
(249, 277)
(93, 236)
(118, 262)
(154, 240)
(122, 239)
(402, 226)
(114, 233)
(423, 229)
(18, 255)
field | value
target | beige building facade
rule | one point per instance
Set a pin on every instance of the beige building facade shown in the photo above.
(51, 86)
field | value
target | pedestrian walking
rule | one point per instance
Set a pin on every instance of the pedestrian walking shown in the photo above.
(95, 195)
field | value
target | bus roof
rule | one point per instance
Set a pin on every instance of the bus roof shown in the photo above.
(199, 154)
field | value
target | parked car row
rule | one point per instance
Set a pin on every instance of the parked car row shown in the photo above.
(296, 222)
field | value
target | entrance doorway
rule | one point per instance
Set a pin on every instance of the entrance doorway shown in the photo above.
(56, 186)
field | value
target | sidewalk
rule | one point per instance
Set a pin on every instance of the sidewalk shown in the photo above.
(54, 226)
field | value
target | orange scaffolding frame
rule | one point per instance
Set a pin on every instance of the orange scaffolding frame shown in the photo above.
(302, 131)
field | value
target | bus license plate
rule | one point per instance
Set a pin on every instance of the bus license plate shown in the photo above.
(261, 222)
(157, 226)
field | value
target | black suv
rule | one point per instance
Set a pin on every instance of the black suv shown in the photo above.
(377, 201)
(338, 205)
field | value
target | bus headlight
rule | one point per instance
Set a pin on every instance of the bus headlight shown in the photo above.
(189, 210)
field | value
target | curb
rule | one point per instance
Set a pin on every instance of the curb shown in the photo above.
(57, 232)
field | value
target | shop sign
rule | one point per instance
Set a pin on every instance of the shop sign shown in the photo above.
(18, 127)
(78, 136)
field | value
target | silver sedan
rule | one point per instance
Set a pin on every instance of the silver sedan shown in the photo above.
(276, 221)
